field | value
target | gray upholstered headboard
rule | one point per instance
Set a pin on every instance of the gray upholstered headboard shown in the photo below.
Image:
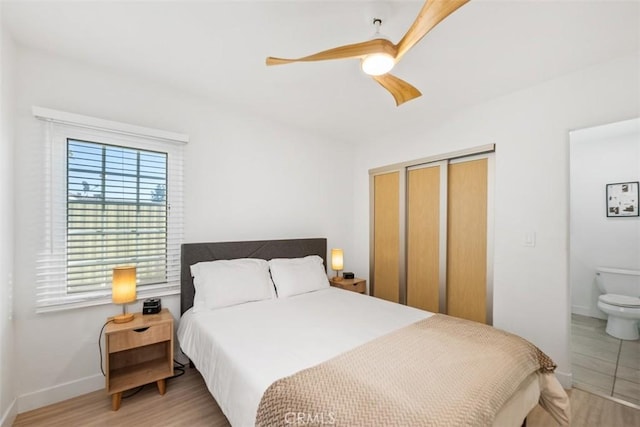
(193, 253)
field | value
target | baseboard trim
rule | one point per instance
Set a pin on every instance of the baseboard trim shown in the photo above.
(58, 393)
(9, 415)
(588, 311)
(582, 310)
(565, 379)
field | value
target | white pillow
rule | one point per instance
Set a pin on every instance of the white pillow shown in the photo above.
(229, 282)
(293, 276)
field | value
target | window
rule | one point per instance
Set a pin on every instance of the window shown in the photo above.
(113, 198)
(116, 214)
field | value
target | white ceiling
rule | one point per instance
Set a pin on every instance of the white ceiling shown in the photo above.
(217, 48)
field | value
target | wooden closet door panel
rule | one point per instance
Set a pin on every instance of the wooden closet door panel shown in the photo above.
(386, 282)
(423, 238)
(467, 240)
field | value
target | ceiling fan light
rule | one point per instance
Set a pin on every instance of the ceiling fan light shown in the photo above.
(377, 64)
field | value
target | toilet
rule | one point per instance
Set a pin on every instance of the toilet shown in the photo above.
(620, 300)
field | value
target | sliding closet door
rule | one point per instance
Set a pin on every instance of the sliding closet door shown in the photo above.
(431, 228)
(423, 237)
(386, 236)
(467, 240)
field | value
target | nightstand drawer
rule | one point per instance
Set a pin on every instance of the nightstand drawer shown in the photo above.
(131, 338)
(353, 285)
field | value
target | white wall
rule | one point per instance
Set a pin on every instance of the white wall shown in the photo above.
(599, 156)
(531, 131)
(246, 178)
(7, 384)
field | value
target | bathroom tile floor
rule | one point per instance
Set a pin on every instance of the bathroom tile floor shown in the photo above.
(602, 363)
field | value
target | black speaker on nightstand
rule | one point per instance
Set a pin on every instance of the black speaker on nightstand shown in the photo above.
(151, 306)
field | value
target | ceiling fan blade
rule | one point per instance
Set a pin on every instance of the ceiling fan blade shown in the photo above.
(430, 15)
(356, 50)
(399, 89)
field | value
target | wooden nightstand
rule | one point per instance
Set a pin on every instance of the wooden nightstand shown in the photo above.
(354, 285)
(138, 352)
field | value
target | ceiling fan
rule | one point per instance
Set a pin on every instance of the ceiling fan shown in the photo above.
(379, 55)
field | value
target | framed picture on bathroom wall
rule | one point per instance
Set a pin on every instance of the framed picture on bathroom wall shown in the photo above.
(622, 199)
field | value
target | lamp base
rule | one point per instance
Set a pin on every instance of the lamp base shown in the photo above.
(123, 318)
(336, 279)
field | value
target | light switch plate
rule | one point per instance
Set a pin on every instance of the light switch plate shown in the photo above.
(529, 239)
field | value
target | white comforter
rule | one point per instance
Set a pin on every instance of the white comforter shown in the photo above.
(241, 350)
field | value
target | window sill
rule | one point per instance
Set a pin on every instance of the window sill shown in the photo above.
(63, 306)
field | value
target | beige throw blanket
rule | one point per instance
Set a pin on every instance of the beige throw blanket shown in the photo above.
(441, 371)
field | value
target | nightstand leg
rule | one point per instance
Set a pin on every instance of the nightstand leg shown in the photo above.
(116, 400)
(162, 386)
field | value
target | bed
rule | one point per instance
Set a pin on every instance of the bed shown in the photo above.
(282, 359)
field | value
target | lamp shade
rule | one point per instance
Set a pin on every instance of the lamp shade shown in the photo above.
(377, 64)
(337, 259)
(123, 288)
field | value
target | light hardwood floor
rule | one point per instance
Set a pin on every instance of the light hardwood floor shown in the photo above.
(604, 364)
(188, 403)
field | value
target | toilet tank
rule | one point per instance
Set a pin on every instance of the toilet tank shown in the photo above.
(619, 281)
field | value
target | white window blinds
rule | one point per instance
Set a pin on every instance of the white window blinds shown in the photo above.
(116, 214)
(113, 197)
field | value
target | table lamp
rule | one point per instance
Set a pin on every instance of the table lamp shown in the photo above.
(337, 262)
(123, 291)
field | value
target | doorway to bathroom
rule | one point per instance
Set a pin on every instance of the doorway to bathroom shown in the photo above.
(600, 156)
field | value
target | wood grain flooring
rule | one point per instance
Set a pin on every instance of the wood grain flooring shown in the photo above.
(589, 410)
(188, 403)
